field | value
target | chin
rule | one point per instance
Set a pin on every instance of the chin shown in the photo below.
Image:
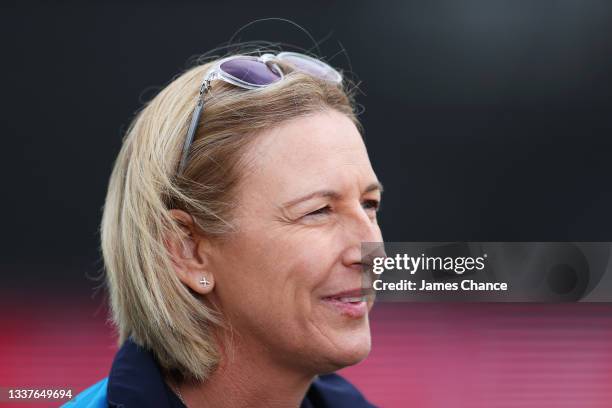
(349, 349)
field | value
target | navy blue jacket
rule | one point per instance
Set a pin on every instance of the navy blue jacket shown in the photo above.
(135, 381)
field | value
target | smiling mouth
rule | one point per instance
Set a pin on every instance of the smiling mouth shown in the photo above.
(353, 303)
(349, 299)
(351, 296)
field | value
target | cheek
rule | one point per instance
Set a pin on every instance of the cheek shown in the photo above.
(272, 281)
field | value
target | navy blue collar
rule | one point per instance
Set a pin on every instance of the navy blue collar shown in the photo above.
(135, 380)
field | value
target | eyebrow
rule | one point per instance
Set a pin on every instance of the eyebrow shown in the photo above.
(376, 186)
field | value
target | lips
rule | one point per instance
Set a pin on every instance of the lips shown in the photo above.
(349, 296)
(350, 303)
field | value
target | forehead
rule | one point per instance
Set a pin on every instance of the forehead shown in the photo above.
(324, 147)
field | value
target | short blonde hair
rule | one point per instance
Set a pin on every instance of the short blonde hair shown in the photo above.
(148, 301)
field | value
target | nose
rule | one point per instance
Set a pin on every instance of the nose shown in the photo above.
(359, 229)
(367, 228)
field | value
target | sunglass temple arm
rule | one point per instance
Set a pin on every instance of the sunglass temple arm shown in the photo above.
(195, 118)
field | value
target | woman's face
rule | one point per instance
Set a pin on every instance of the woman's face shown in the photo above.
(284, 279)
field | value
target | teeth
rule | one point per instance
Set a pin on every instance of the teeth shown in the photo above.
(352, 299)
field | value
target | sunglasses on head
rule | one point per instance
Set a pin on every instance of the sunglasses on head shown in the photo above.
(251, 72)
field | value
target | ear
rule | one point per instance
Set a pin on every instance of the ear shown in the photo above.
(189, 255)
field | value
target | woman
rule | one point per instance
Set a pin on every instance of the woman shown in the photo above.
(231, 238)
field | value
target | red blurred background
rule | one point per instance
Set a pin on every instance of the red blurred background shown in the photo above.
(423, 355)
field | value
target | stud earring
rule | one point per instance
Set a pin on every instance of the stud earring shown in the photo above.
(204, 281)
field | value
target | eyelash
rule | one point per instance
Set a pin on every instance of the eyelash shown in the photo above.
(373, 204)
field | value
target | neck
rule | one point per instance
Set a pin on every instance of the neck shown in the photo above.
(247, 376)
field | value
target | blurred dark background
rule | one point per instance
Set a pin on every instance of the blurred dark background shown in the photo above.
(485, 120)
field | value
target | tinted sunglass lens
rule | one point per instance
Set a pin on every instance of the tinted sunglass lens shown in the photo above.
(250, 71)
(313, 67)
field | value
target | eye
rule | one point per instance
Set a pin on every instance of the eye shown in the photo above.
(371, 205)
(319, 212)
